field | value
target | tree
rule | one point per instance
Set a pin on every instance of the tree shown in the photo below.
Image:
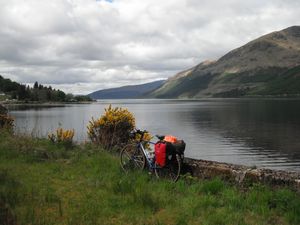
(61, 95)
(36, 85)
(22, 93)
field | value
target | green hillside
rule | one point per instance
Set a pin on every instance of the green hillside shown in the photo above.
(267, 66)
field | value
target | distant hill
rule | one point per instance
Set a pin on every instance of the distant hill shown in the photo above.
(126, 92)
(269, 65)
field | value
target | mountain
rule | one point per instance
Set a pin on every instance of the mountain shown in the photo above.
(269, 65)
(131, 91)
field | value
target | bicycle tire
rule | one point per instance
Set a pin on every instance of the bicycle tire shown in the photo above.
(171, 170)
(132, 158)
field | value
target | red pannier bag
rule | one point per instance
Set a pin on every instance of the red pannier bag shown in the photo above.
(160, 149)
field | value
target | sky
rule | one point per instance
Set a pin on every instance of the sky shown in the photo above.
(81, 46)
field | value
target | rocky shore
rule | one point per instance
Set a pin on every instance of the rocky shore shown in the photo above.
(242, 174)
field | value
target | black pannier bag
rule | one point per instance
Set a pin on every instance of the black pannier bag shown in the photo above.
(179, 147)
(172, 149)
(165, 151)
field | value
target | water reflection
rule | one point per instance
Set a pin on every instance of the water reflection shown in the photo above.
(244, 131)
(261, 132)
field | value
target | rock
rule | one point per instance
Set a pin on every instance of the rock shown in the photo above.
(204, 169)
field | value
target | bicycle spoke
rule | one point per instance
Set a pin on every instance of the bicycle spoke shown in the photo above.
(171, 170)
(128, 156)
(132, 158)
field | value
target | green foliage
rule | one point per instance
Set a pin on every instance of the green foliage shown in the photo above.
(87, 186)
(82, 98)
(233, 93)
(112, 129)
(62, 136)
(273, 81)
(7, 86)
(38, 93)
(286, 83)
(190, 86)
(6, 122)
(213, 186)
(4, 97)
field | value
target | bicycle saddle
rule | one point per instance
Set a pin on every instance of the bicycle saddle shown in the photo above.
(160, 137)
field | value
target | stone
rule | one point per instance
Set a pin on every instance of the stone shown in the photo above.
(239, 174)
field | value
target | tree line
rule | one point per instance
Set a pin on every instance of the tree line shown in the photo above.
(38, 92)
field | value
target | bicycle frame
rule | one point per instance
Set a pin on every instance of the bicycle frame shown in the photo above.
(150, 162)
(170, 170)
(140, 144)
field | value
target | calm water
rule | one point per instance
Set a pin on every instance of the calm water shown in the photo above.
(265, 133)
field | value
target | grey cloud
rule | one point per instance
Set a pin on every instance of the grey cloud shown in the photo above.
(84, 46)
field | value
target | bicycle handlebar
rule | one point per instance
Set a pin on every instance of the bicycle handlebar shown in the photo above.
(141, 132)
(137, 131)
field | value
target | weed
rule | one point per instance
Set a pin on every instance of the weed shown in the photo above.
(87, 186)
(213, 186)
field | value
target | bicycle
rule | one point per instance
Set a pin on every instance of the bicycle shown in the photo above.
(135, 156)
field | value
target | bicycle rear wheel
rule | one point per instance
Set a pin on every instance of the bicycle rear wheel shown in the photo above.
(132, 158)
(171, 170)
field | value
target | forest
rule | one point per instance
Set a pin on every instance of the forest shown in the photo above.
(37, 93)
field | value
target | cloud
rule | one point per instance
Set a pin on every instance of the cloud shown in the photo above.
(85, 45)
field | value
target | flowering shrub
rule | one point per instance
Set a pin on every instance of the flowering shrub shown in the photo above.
(62, 136)
(147, 137)
(112, 129)
(6, 122)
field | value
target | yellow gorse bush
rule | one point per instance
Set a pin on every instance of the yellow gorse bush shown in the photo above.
(62, 136)
(114, 117)
(6, 121)
(147, 137)
(112, 128)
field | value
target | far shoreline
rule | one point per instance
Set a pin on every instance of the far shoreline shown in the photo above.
(42, 103)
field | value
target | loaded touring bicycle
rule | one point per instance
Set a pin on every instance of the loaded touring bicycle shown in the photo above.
(164, 157)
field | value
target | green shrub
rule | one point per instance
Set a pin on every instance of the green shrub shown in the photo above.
(6, 122)
(61, 136)
(112, 129)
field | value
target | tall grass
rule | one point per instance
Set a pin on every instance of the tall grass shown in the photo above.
(43, 183)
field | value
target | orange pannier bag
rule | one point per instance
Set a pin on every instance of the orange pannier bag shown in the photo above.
(170, 138)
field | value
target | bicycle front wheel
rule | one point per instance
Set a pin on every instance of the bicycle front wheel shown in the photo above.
(171, 170)
(132, 158)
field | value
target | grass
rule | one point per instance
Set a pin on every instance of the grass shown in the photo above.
(189, 86)
(274, 81)
(287, 83)
(42, 183)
